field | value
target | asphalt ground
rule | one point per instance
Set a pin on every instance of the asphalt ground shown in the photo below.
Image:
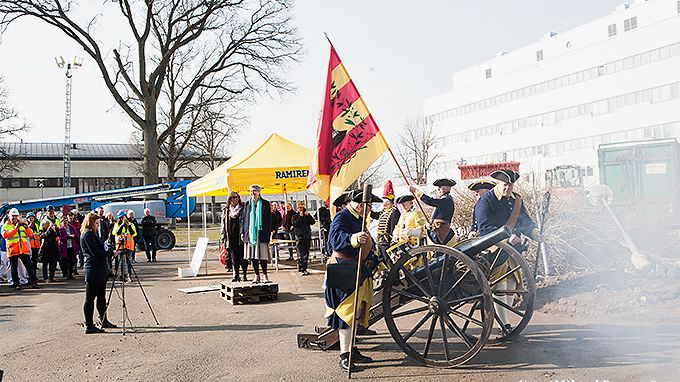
(204, 338)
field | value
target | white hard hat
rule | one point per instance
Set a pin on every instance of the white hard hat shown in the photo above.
(14, 212)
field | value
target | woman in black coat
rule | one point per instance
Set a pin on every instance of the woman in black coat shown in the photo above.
(96, 273)
(230, 236)
(302, 226)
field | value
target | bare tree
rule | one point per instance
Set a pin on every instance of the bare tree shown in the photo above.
(243, 48)
(374, 174)
(10, 126)
(418, 149)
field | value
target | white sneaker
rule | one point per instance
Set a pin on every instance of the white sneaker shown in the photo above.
(266, 278)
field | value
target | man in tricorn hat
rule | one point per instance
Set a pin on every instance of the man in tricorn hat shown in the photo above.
(498, 207)
(346, 241)
(341, 201)
(443, 211)
(388, 218)
(411, 223)
(479, 187)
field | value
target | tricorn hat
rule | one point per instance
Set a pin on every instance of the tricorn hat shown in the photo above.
(342, 199)
(505, 175)
(481, 185)
(444, 182)
(358, 196)
(404, 198)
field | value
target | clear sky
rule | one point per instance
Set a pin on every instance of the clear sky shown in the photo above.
(397, 52)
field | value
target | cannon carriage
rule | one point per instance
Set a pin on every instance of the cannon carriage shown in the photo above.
(442, 304)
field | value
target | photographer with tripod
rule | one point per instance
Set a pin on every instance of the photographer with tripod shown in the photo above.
(125, 234)
(96, 273)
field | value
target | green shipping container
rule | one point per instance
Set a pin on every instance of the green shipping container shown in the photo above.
(645, 173)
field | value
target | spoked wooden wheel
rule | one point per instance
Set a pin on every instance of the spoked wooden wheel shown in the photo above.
(513, 288)
(436, 286)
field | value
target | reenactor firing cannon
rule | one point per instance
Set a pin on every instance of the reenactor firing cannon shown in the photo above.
(442, 304)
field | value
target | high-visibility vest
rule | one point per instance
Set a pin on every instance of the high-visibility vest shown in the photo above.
(55, 223)
(17, 239)
(35, 238)
(125, 236)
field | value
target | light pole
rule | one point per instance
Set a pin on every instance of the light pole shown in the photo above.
(41, 184)
(75, 64)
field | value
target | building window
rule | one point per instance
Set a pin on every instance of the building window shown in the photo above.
(612, 30)
(539, 55)
(488, 73)
(630, 23)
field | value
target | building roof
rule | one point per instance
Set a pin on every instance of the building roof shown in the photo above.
(79, 151)
(82, 151)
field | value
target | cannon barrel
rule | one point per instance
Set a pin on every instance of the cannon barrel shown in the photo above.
(477, 245)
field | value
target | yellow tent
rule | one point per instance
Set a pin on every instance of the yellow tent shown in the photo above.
(277, 165)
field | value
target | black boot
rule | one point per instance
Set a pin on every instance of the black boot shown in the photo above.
(91, 329)
(344, 363)
(360, 358)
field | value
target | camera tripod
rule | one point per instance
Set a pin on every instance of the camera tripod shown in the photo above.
(122, 261)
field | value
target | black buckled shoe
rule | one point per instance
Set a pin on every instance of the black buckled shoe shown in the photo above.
(366, 332)
(360, 358)
(344, 363)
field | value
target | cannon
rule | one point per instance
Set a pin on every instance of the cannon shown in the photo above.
(442, 304)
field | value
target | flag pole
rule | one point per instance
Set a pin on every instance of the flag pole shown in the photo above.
(420, 206)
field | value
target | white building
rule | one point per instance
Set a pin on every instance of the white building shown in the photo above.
(553, 102)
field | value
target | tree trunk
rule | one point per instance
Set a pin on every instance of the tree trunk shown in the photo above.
(151, 147)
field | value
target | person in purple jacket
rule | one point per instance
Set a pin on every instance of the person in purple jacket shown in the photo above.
(69, 247)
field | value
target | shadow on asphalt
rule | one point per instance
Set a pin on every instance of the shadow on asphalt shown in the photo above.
(544, 347)
(205, 328)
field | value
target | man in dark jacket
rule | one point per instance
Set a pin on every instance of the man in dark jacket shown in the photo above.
(496, 208)
(149, 234)
(290, 233)
(302, 226)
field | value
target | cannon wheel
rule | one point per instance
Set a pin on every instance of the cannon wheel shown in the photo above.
(521, 307)
(433, 297)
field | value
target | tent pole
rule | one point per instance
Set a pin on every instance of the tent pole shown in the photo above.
(188, 229)
(205, 232)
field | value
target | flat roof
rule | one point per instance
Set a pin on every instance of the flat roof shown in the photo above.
(79, 151)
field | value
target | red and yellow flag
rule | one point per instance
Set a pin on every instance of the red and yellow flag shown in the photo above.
(348, 139)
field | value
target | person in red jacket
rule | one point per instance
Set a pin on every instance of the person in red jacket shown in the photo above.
(17, 234)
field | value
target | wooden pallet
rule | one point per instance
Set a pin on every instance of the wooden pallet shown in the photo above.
(245, 293)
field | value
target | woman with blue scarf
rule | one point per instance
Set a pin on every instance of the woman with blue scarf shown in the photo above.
(256, 232)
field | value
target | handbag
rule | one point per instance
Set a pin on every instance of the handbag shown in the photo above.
(342, 276)
(223, 255)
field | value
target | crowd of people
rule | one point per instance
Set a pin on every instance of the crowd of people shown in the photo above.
(39, 243)
(248, 227)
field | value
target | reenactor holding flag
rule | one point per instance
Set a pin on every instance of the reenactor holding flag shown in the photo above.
(346, 241)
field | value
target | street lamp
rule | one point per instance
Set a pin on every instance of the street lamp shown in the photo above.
(75, 64)
(41, 184)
